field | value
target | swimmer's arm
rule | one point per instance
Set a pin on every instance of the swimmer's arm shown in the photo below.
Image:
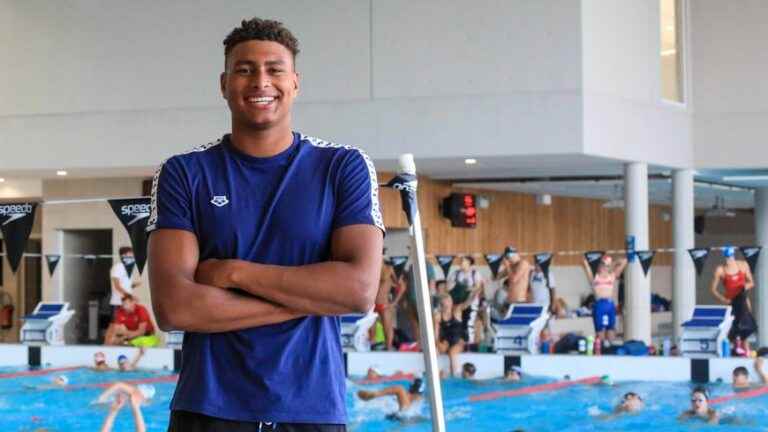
(138, 418)
(403, 399)
(345, 284)
(714, 284)
(749, 282)
(712, 417)
(685, 415)
(182, 304)
(114, 388)
(760, 371)
(436, 322)
(136, 359)
(109, 421)
(620, 266)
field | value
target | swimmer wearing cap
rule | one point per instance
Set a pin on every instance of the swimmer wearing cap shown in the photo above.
(604, 309)
(700, 407)
(405, 398)
(125, 366)
(630, 403)
(737, 281)
(468, 370)
(100, 362)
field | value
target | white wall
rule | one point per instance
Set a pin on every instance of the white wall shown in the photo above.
(136, 82)
(12, 189)
(624, 116)
(730, 94)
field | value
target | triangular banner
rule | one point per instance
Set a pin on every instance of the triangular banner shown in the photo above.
(751, 254)
(398, 263)
(134, 214)
(593, 259)
(53, 261)
(494, 261)
(544, 259)
(445, 262)
(129, 263)
(699, 256)
(646, 258)
(407, 184)
(16, 220)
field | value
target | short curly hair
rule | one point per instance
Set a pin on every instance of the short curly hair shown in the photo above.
(261, 30)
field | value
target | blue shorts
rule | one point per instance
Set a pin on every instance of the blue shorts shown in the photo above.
(604, 315)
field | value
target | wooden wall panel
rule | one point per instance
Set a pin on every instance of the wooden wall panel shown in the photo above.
(569, 224)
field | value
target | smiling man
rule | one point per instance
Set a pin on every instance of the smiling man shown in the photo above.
(259, 241)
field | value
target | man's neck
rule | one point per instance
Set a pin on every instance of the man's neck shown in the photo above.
(261, 143)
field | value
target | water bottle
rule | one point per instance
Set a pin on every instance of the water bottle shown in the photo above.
(725, 348)
(590, 345)
(582, 345)
(544, 347)
(666, 347)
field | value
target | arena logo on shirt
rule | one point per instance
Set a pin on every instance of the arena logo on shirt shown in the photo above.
(219, 200)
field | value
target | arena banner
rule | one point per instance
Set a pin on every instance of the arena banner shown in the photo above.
(398, 264)
(593, 259)
(544, 259)
(494, 261)
(646, 258)
(53, 261)
(445, 262)
(134, 214)
(751, 254)
(407, 185)
(699, 256)
(16, 220)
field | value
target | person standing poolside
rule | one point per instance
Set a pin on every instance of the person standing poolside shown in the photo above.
(515, 274)
(120, 280)
(737, 281)
(257, 244)
(604, 308)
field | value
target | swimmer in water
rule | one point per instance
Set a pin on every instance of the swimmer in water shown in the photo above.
(468, 371)
(513, 374)
(405, 398)
(117, 404)
(700, 407)
(125, 366)
(741, 376)
(100, 362)
(630, 403)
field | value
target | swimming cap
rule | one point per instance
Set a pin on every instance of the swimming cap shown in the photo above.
(122, 358)
(146, 390)
(729, 251)
(417, 387)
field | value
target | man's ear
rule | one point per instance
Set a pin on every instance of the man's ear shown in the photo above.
(223, 84)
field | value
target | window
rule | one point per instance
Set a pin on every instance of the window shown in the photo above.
(671, 50)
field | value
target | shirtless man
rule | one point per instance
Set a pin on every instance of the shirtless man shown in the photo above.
(515, 273)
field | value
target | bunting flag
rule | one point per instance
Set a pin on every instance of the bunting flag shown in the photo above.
(494, 261)
(53, 261)
(593, 259)
(129, 262)
(646, 258)
(751, 254)
(445, 262)
(16, 220)
(407, 184)
(134, 214)
(699, 256)
(398, 264)
(544, 259)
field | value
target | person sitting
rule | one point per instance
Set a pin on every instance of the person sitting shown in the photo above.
(700, 407)
(132, 326)
(125, 366)
(405, 399)
(741, 376)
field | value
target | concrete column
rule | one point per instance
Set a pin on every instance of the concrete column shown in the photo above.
(683, 270)
(761, 270)
(637, 311)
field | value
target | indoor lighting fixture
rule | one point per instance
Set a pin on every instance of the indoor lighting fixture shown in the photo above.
(61, 173)
(746, 178)
(470, 161)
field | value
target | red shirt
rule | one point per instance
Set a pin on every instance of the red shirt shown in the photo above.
(131, 320)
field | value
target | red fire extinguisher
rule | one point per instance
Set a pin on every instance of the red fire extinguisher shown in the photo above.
(6, 316)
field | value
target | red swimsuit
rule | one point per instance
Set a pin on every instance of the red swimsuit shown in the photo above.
(734, 284)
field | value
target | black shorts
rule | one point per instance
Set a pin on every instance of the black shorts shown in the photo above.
(185, 421)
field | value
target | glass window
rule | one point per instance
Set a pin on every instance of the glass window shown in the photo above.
(671, 51)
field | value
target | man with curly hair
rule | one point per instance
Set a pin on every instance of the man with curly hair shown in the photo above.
(258, 243)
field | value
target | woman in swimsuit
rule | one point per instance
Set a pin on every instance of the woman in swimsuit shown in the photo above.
(737, 281)
(450, 331)
(604, 308)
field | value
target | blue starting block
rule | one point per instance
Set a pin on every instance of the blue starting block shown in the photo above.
(704, 333)
(45, 325)
(519, 331)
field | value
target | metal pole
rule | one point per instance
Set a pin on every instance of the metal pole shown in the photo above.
(407, 184)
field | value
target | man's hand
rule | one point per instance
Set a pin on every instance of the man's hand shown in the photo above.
(215, 272)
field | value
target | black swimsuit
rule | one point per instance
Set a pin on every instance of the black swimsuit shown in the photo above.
(451, 331)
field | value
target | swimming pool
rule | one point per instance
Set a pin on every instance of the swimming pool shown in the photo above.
(24, 406)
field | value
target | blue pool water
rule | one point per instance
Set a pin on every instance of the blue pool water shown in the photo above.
(26, 406)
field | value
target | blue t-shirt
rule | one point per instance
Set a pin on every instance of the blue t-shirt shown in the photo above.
(279, 210)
